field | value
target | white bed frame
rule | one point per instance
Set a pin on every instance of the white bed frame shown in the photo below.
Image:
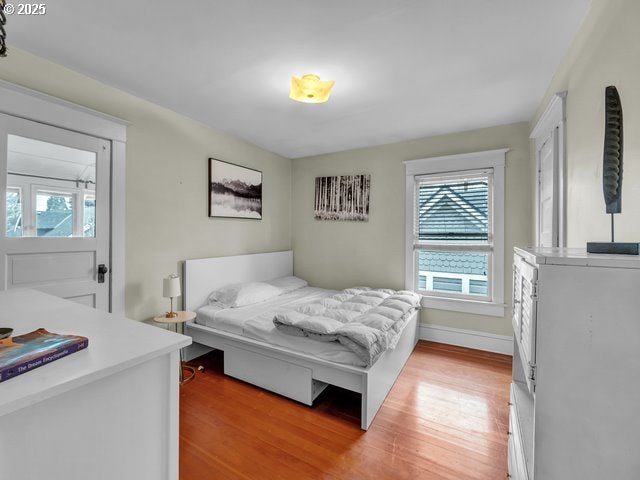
(289, 373)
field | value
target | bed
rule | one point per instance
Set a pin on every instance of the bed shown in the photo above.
(282, 365)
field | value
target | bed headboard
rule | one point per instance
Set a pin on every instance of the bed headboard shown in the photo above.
(203, 275)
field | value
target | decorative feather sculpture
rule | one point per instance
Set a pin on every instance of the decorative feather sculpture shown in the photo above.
(613, 146)
(612, 174)
(3, 33)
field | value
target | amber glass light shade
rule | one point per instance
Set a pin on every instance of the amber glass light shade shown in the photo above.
(310, 89)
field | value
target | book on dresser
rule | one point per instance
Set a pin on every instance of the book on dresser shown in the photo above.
(23, 353)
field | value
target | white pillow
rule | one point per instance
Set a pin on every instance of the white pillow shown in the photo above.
(244, 294)
(288, 284)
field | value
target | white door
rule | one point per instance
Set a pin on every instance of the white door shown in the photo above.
(548, 207)
(549, 137)
(57, 186)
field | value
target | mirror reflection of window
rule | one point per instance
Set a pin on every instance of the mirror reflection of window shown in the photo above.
(50, 190)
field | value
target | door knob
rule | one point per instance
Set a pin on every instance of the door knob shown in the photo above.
(102, 269)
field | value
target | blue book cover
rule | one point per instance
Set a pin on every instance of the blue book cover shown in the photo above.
(23, 353)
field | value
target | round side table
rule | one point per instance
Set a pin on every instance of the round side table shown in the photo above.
(183, 316)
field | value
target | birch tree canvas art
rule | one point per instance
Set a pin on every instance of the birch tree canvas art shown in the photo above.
(343, 197)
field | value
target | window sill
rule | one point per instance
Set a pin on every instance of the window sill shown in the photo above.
(464, 306)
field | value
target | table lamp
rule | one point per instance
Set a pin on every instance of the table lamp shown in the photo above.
(171, 289)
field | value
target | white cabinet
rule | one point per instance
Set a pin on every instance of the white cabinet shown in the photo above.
(574, 398)
(108, 412)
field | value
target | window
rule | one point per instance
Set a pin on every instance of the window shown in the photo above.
(54, 214)
(50, 189)
(35, 210)
(89, 221)
(455, 231)
(14, 212)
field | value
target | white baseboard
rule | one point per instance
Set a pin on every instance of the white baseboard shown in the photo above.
(488, 342)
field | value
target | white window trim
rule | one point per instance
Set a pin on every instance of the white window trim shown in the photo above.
(494, 159)
(39, 107)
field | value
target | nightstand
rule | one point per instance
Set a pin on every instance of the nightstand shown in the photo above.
(183, 316)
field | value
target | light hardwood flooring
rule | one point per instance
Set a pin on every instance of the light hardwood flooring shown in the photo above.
(445, 418)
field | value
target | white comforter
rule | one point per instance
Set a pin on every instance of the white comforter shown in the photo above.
(367, 321)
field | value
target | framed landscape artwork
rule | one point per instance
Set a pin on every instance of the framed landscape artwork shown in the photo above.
(234, 191)
(343, 197)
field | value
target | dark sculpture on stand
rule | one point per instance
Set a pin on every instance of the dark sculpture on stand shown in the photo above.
(3, 33)
(612, 158)
(612, 173)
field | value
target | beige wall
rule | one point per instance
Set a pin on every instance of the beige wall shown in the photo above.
(166, 168)
(166, 182)
(606, 51)
(341, 254)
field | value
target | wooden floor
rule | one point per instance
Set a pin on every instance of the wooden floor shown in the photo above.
(445, 418)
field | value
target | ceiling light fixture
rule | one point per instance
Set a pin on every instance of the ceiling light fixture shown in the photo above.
(310, 89)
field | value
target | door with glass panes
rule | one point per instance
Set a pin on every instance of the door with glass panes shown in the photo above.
(56, 215)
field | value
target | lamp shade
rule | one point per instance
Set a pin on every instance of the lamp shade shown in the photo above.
(310, 89)
(171, 286)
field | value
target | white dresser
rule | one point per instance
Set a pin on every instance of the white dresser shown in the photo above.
(575, 396)
(107, 412)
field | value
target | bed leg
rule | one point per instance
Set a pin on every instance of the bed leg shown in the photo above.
(365, 417)
(368, 411)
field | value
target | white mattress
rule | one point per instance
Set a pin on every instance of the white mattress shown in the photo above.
(256, 322)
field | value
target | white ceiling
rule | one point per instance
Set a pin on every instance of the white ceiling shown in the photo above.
(33, 157)
(404, 69)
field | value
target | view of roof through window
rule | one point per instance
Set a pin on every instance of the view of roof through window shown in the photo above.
(454, 212)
